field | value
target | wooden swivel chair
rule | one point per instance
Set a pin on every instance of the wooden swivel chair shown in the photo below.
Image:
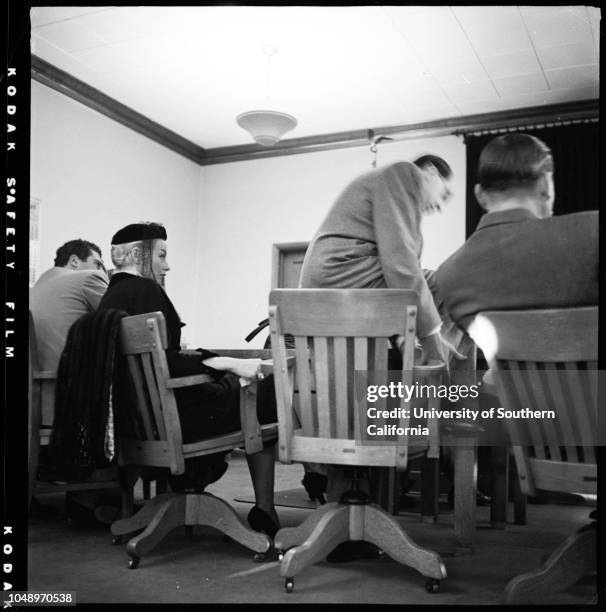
(547, 360)
(339, 332)
(150, 436)
(39, 434)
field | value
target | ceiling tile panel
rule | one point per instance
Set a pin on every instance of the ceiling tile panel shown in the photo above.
(563, 56)
(550, 26)
(193, 69)
(69, 35)
(571, 78)
(444, 38)
(485, 106)
(122, 23)
(470, 92)
(521, 84)
(498, 29)
(454, 69)
(43, 15)
(511, 64)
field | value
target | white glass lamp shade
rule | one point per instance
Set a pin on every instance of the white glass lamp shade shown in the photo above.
(266, 127)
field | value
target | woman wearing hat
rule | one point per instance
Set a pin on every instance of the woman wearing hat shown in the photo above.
(139, 253)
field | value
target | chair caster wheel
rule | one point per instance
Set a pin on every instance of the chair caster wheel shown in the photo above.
(117, 540)
(432, 585)
(289, 585)
(134, 563)
(259, 557)
(280, 555)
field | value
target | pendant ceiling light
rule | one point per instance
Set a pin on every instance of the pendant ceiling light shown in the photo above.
(266, 126)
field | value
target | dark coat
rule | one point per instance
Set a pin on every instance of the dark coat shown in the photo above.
(139, 295)
(205, 410)
(83, 436)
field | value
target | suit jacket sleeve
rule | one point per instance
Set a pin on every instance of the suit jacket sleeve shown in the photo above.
(94, 288)
(397, 222)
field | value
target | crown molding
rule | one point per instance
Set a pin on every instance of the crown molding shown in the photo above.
(515, 118)
(63, 82)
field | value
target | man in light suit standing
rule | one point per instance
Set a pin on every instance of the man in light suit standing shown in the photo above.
(371, 238)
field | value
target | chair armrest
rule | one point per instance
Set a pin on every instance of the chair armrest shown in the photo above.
(462, 428)
(243, 353)
(430, 369)
(188, 381)
(45, 375)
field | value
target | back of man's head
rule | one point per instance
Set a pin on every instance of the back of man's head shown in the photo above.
(81, 249)
(513, 161)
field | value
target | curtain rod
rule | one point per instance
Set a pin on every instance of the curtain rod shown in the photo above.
(532, 126)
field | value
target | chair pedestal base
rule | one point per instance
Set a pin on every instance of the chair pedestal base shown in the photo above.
(574, 558)
(165, 512)
(335, 523)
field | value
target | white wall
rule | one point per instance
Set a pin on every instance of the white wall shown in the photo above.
(248, 206)
(93, 176)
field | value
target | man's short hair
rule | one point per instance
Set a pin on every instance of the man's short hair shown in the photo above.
(441, 165)
(513, 161)
(80, 248)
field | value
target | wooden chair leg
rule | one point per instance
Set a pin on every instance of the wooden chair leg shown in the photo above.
(518, 498)
(128, 476)
(288, 537)
(499, 472)
(465, 487)
(381, 529)
(329, 532)
(574, 558)
(169, 514)
(206, 509)
(143, 517)
(161, 485)
(430, 477)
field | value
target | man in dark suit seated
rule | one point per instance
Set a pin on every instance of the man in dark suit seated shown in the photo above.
(520, 256)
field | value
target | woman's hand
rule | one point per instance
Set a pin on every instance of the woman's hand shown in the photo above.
(243, 368)
(246, 368)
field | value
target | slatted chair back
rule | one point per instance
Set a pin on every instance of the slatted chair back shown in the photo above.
(149, 425)
(150, 431)
(547, 360)
(336, 334)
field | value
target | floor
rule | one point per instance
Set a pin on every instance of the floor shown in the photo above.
(205, 568)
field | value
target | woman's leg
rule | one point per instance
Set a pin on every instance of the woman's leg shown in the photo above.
(261, 467)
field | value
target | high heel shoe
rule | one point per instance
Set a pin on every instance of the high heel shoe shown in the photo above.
(259, 520)
(315, 484)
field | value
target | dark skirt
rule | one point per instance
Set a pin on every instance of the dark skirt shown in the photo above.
(212, 409)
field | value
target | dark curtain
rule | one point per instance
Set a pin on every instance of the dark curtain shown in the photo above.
(576, 168)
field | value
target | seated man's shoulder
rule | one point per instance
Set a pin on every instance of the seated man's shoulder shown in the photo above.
(586, 220)
(90, 276)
